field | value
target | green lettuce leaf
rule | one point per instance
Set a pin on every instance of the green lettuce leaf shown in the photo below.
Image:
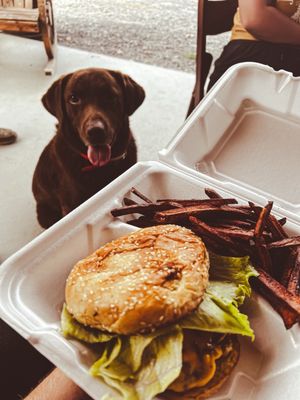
(214, 316)
(71, 327)
(135, 345)
(234, 270)
(227, 289)
(162, 362)
(108, 396)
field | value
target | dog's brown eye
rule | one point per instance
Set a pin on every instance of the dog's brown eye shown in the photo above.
(74, 99)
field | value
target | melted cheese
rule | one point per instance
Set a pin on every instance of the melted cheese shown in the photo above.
(192, 363)
(209, 362)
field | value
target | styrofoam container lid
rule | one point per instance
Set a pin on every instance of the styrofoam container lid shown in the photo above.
(32, 281)
(245, 134)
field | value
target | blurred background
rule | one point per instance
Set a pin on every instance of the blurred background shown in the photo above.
(157, 32)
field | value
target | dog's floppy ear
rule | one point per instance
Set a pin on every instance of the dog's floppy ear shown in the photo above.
(134, 94)
(53, 99)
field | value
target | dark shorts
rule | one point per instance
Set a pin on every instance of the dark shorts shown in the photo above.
(277, 56)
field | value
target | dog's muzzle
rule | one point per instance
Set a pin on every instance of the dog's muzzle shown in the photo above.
(99, 141)
(96, 133)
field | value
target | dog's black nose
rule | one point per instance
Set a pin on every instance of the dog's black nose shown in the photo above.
(97, 133)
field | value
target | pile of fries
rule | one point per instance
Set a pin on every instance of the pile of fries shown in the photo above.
(230, 229)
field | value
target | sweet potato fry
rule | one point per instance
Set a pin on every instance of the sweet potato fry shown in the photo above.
(174, 215)
(284, 302)
(288, 242)
(212, 194)
(235, 232)
(288, 267)
(282, 221)
(140, 195)
(264, 258)
(276, 228)
(219, 237)
(273, 224)
(294, 279)
(262, 218)
(216, 247)
(233, 223)
(141, 222)
(129, 202)
(195, 202)
(145, 209)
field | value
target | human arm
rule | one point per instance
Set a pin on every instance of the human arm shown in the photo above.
(267, 23)
(56, 386)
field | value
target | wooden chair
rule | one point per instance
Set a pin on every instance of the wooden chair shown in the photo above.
(214, 17)
(31, 16)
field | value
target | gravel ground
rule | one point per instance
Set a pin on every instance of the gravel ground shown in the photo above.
(156, 32)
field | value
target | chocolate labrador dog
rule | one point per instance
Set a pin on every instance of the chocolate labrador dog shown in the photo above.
(93, 144)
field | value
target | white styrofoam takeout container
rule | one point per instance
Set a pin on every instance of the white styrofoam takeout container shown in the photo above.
(242, 140)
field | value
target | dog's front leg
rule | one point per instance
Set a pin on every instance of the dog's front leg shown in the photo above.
(48, 214)
(65, 210)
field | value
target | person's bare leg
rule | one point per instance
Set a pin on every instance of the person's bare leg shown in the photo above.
(57, 386)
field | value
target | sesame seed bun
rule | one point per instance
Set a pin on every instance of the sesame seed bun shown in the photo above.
(140, 281)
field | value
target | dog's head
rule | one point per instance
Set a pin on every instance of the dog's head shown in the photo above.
(92, 107)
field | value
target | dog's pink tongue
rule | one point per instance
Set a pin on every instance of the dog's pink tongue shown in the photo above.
(99, 155)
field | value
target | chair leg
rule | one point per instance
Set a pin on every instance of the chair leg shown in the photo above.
(196, 96)
(191, 105)
(48, 33)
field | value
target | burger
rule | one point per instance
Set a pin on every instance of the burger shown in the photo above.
(162, 312)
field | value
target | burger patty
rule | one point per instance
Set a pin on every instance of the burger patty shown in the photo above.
(208, 360)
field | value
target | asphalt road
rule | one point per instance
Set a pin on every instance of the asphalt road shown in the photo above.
(156, 32)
